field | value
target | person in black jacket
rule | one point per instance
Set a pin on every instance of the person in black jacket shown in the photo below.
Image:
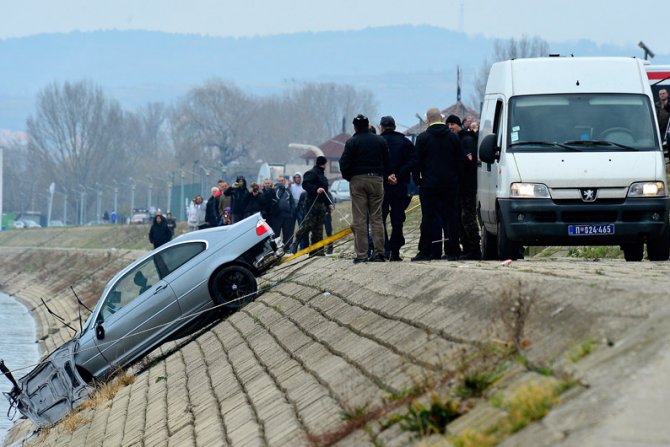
(255, 202)
(212, 216)
(239, 194)
(439, 159)
(467, 191)
(315, 185)
(365, 163)
(283, 209)
(396, 199)
(159, 233)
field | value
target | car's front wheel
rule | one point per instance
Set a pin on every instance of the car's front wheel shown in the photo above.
(234, 286)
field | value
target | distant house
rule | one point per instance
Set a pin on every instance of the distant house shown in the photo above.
(331, 149)
(458, 109)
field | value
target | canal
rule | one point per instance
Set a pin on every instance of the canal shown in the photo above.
(17, 348)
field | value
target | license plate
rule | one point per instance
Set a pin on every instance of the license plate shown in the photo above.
(590, 230)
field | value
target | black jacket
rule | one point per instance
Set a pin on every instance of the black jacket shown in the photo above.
(282, 202)
(239, 197)
(364, 153)
(212, 212)
(159, 233)
(314, 179)
(401, 155)
(255, 204)
(439, 159)
(469, 144)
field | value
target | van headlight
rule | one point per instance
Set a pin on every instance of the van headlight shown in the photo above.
(530, 191)
(647, 189)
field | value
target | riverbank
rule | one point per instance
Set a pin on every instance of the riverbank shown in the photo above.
(336, 353)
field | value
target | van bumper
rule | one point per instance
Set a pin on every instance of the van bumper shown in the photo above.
(543, 222)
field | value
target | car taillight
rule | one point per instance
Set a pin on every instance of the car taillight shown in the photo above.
(262, 227)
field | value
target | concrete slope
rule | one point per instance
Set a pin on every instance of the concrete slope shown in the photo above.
(329, 339)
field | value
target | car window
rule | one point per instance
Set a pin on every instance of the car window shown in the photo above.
(176, 256)
(130, 286)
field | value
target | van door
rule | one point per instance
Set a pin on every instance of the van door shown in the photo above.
(487, 180)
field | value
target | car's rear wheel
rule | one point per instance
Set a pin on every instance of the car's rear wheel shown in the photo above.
(234, 286)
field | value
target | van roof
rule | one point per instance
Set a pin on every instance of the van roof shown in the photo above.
(567, 75)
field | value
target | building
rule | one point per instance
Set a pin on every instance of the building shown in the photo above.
(332, 149)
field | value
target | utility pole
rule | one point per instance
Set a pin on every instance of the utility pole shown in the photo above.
(132, 196)
(149, 188)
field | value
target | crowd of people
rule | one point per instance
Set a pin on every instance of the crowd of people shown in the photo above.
(380, 169)
(442, 163)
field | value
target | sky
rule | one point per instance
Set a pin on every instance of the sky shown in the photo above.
(616, 22)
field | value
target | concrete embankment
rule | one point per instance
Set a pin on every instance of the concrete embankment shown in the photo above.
(332, 353)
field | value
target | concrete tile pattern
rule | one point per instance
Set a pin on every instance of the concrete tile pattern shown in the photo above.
(328, 337)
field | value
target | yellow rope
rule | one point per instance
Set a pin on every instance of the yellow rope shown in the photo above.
(331, 239)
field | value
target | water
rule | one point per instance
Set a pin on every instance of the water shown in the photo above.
(17, 348)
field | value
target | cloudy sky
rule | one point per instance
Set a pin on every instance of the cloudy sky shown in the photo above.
(603, 21)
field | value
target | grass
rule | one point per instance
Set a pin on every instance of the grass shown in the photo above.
(431, 418)
(582, 350)
(596, 252)
(528, 404)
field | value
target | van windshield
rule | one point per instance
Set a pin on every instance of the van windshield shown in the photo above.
(581, 123)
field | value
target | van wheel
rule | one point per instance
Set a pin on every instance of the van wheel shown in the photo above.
(633, 252)
(658, 249)
(489, 244)
(234, 287)
(506, 248)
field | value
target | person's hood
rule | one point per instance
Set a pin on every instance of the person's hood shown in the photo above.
(438, 130)
(298, 173)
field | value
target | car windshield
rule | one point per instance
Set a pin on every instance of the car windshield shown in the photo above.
(581, 123)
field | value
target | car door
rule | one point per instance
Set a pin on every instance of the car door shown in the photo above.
(138, 309)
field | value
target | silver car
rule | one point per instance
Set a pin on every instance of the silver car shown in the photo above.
(161, 296)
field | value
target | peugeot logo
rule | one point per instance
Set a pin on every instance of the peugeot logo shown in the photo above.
(588, 195)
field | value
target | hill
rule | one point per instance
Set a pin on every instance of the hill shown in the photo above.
(409, 68)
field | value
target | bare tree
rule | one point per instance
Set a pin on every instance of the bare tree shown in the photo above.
(76, 135)
(524, 47)
(214, 122)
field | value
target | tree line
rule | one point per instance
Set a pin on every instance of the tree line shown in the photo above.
(82, 139)
(85, 142)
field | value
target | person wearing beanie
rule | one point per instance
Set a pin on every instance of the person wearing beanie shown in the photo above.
(315, 185)
(467, 190)
(439, 159)
(365, 164)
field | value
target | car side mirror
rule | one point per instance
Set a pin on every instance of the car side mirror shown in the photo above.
(99, 331)
(489, 151)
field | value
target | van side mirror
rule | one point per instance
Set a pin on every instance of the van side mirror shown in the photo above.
(99, 331)
(489, 151)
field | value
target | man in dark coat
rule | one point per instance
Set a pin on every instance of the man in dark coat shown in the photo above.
(439, 159)
(467, 191)
(365, 163)
(396, 199)
(159, 233)
(283, 209)
(315, 185)
(239, 195)
(212, 216)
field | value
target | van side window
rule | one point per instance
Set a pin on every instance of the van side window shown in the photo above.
(497, 117)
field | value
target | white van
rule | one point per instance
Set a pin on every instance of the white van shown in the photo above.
(570, 155)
